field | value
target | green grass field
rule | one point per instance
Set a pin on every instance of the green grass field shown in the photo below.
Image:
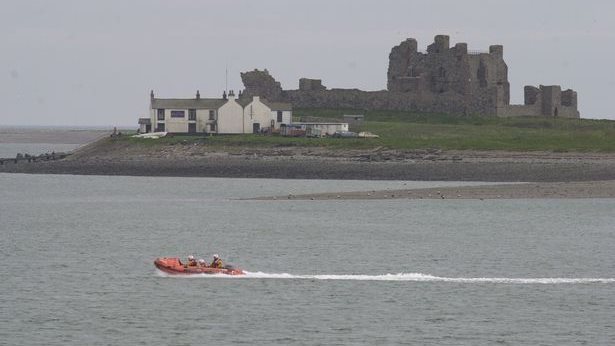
(405, 131)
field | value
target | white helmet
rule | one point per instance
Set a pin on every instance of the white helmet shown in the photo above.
(216, 256)
(190, 257)
(201, 260)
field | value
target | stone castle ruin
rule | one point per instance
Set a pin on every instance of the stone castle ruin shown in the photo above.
(443, 79)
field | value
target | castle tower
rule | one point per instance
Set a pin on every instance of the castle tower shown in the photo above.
(440, 45)
(497, 50)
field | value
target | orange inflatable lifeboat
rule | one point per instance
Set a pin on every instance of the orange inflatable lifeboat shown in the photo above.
(174, 266)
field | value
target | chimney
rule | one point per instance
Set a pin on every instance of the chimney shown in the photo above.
(224, 95)
(198, 95)
(151, 95)
(231, 94)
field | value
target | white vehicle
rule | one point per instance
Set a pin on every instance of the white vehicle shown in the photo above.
(151, 135)
(366, 134)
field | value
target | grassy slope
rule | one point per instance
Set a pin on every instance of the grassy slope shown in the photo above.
(403, 130)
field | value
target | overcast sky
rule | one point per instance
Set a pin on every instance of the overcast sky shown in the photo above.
(94, 62)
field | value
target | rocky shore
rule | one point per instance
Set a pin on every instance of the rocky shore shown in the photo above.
(121, 158)
(545, 174)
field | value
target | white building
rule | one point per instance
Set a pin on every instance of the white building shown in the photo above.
(230, 117)
(281, 113)
(257, 115)
(225, 115)
(325, 129)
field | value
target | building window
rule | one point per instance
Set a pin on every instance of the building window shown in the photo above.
(212, 127)
(178, 114)
(279, 116)
(212, 115)
(160, 127)
(161, 114)
(192, 114)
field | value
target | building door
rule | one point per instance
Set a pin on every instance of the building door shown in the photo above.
(191, 127)
(256, 127)
(148, 128)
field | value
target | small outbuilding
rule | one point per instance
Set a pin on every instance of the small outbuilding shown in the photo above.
(354, 119)
(145, 125)
(323, 129)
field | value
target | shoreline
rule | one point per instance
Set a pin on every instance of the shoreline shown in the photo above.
(233, 166)
(570, 190)
(442, 166)
(117, 156)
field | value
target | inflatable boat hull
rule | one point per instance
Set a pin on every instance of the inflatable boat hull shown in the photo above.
(173, 266)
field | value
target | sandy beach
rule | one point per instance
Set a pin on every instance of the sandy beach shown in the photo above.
(588, 189)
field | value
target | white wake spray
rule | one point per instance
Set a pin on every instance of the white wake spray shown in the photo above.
(413, 277)
(418, 277)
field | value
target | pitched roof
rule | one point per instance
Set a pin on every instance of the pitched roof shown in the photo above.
(278, 106)
(187, 103)
(145, 121)
(274, 106)
(244, 101)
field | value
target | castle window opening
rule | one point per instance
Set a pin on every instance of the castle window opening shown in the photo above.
(160, 114)
(481, 75)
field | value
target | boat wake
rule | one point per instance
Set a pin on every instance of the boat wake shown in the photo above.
(412, 277)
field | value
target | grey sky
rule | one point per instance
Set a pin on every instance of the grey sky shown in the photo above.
(94, 62)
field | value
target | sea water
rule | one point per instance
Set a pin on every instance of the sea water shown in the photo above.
(36, 140)
(78, 268)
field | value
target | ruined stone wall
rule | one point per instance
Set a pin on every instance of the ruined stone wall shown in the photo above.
(383, 100)
(444, 79)
(261, 83)
(307, 84)
(545, 101)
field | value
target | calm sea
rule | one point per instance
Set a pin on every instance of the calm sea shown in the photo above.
(41, 140)
(78, 269)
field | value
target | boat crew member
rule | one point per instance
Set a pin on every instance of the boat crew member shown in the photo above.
(217, 262)
(202, 263)
(191, 261)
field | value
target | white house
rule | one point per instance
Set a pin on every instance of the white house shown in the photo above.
(230, 117)
(185, 115)
(225, 115)
(257, 115)
(281, 113)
